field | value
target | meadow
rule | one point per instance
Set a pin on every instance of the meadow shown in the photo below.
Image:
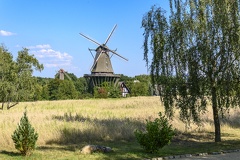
(64, 127)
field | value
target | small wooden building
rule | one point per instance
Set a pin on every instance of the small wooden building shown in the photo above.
(124, 89)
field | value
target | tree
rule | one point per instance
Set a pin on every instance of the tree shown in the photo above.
(61, 89)
(25, 137)
(195, 56)
(6, 82)
(125, 78)
(143, 78)
(17, 83)
(81, 85)
(72, 76)
(45, 92)
(138, 85)
(66, 90)
(139, 88)
(52, 87)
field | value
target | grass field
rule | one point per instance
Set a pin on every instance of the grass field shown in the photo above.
(64, 127)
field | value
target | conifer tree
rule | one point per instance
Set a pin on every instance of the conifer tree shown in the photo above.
(25, 137)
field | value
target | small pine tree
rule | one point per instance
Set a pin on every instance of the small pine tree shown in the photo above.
(24, 137)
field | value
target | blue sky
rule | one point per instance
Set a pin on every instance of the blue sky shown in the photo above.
(50, 29)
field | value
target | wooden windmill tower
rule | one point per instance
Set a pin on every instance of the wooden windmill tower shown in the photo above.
(61, 73)
(102, 70)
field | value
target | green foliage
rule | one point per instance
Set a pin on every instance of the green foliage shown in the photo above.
(53, 86)
(107, 91)
(139, 89)
(139, 85)
(85, 96)
(25, 137)
(81, 85)
(55, 89)
(61, 89)
(100, 92)
(114, 92)
(6, 75)
(158, 134)
(125, 78)
(16, 80)
(72, 76)
(45, 93)
(143, 78)
(196, 51)
(66, 90)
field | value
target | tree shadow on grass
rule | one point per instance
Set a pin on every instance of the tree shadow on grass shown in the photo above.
(69, 117)
(10, 153)
(96, 130)
(190, 143)
(112, 132)
(60, 148)
(119, 135)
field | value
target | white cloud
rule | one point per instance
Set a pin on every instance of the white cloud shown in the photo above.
(6, 33)
(40, 46)
(50, 57)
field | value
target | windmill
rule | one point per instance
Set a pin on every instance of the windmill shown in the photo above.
(61, 73)
(102, 70)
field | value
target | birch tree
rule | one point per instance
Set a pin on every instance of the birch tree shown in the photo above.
(194, 56)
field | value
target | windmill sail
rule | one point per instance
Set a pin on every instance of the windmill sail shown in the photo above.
(102, 61)
(110, 35)
(102, 70)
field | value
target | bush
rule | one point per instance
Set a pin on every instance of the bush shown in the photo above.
(24, 137)
(107, 90)
(85, 96)
(100, 92)
(158, 134)
(114, 92)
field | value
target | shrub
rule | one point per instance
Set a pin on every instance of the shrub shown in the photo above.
(24, 137)
(107, 90)
(114, 92)
(100, 92)
(85, 96)
(158, 134)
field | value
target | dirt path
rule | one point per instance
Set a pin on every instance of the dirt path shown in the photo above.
(223, 156)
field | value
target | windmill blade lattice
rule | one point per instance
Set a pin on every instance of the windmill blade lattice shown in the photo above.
(95, 62)
(110, 35)
(90, 39)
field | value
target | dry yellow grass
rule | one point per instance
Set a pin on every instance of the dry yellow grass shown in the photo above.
(89, 121)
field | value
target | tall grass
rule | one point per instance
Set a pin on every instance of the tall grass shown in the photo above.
(92, 121)
(80, 121)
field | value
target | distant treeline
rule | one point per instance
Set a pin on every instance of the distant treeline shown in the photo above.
(77, 88)
(17, 83)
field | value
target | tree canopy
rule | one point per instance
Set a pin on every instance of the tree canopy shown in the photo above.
(195, 56)
(17, 83)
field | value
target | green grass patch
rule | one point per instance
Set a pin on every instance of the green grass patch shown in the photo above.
(124, 150)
